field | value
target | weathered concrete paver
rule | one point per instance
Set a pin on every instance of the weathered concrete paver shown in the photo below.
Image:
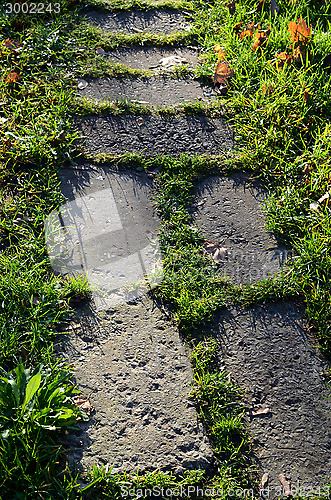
(154, 135)
(149, 57)
(153, 21)
(140, 375)
(229, 210)
(269, 352)
(153, 91)
(131, 356)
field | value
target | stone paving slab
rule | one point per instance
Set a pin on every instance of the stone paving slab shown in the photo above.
(139, 371)
(229, 211)
(270, 353)
(131, 356)
(149, 57)
(156, 92)
(154, 135)
(164, 21)
(104, 232)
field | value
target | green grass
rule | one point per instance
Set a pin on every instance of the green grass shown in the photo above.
(284, 141)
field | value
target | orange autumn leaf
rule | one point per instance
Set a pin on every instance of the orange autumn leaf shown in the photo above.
(260, 38)
(300, 32)
(12, 77)
(282, 59)
(249, 30)
(222, 72)
(220, 52)
(12, 45)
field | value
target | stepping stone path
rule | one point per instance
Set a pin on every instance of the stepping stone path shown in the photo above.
(152, 21)
(151, 57)
(130, 358)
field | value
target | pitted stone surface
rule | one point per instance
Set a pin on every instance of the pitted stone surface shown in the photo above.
(149, 57)
(154, 135)
(139, 371)
(153, 91)
(164, 21)
(270, 353)
(229, 211)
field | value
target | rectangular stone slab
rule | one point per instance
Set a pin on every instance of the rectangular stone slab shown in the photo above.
(154, 135)
(149, 57)
(157, 92)
(164, 21)
(228, 210)
(272, 355)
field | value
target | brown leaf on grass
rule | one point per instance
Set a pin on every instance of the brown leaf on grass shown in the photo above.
(262, 411)
(12, 45)
(12, 77)
(249, 30)
(83, 404)
(260, 38)
(300, 32)
(232, 7)
(299, 54)
(222, 71)
(283, 59)
(286, 485)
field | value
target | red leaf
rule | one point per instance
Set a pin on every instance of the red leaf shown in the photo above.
(12, 77)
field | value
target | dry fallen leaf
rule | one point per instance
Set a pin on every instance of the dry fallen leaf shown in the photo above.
(260, 38)
(300, 32)
(172, 61)
(249, 30)
(213, 249)
(222, 72)
(286, 485)
(283, 59)
(83, 404)
(12, 45)
(264, 480)
(13, 77)
(262, 411)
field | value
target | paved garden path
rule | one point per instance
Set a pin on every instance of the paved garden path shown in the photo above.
(130, 359)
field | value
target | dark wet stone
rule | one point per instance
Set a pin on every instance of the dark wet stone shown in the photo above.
(152, 135)
(152, 91)
(295, 438)
(152, 21)
(149, 57)
(229, 211)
